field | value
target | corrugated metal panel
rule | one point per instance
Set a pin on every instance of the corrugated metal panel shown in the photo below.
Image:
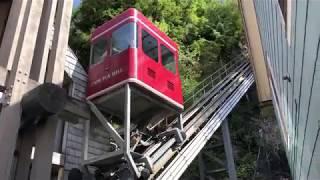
(314, 172)
(298, 54)
(298, 100)
(291, 65)
(311, 38)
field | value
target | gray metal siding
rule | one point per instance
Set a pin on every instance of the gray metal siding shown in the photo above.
(74, 133)
(299, 100)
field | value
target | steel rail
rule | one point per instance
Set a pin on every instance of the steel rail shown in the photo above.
(231, 86)
(201, 116)
(198, 104)
(205, 114)
(182, 160)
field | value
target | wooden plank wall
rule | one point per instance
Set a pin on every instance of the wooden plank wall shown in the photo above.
(74, 134)
(295, 54)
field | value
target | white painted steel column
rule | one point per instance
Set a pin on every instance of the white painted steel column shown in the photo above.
(127, 118)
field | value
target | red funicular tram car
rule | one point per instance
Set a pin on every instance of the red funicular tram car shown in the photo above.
(134, 78)
(130, 49)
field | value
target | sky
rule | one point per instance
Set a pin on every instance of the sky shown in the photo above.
(76, 3)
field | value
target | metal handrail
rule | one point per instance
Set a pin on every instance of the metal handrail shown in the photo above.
(212, 79)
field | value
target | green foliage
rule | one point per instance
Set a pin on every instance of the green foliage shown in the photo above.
(245, 169)
(208, 32)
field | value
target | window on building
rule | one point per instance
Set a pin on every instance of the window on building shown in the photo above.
(124, 38)
(167, 59)
(150, 45)
(100, 49)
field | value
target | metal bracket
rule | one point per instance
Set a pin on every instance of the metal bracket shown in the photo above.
(179, 134)
(114, 134)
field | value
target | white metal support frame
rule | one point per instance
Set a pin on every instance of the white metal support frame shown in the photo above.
(127, 111)
(115, 135)
(124, 143)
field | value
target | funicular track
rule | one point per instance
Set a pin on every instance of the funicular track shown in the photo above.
(209, 104)
(206, 108)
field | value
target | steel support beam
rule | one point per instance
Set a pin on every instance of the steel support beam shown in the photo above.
(228, 150)
(113, 133)
(202, 168)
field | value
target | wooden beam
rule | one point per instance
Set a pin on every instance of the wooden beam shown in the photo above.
(12, 33)
(40, 59)
(17, 82)
(57, 57)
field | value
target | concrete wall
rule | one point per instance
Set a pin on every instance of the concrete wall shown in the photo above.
(291, 51)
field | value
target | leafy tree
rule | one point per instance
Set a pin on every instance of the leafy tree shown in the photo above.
(207, 31)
